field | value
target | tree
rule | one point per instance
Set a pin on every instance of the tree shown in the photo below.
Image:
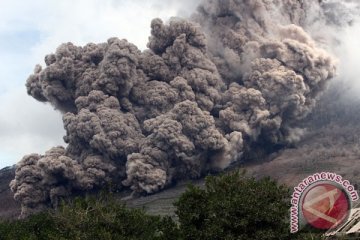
(233, 206)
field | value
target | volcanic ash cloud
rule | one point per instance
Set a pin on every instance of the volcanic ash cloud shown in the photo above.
(206, 90)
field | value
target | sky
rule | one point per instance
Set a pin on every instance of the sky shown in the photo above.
(31, 29)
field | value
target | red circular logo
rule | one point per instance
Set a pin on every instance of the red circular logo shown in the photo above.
(325, 206)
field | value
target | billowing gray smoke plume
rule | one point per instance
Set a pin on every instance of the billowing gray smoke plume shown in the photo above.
(239, 73)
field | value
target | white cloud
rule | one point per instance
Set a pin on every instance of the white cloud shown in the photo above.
(84, 21)
(26, 126)
(36, 28)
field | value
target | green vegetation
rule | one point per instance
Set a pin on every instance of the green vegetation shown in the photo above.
(235, 207)
(231, 206)
(90, 218)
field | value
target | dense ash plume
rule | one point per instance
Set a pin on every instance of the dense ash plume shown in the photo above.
(241, 72)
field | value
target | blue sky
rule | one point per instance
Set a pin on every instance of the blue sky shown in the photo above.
(31, 29)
